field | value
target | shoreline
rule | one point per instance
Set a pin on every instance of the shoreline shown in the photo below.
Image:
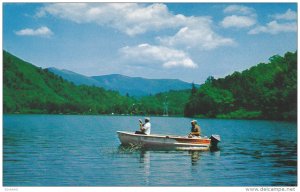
(141, 115)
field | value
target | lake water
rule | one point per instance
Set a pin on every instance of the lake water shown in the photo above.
(62, 150)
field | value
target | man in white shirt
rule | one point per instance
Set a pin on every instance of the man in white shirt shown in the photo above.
(145, 128)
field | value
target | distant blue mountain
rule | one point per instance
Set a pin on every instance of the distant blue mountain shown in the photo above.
(76, 78)
(134, 86)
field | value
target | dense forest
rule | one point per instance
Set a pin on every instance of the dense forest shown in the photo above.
(29, 89)
(265, 91)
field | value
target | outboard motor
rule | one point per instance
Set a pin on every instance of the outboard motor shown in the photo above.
(215, 139)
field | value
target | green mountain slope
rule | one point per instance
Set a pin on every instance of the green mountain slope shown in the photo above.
(267, 91)
(28, 89)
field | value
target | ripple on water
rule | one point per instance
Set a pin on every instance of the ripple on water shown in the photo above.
(85, 151)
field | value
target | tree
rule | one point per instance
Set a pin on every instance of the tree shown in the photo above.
(194, 89)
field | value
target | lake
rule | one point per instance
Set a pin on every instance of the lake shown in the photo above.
(74, 150)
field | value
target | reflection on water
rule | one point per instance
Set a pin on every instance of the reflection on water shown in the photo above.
(162, 166)
(201, 162)
(195, 156)
(61, 150)
(145, 154)
(144, 157)
(145, 161)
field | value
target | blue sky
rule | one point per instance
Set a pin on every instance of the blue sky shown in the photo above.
(187, 41)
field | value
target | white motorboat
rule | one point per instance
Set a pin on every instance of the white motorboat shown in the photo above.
(168, 141)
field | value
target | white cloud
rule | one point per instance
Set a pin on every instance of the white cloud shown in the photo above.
(288, 15)
(239, 9)
(158, 54)
(274, 27)
(138, 18)
(201, 37)
(238, 21)
(42, 31)
(241, 17)
(130, 18)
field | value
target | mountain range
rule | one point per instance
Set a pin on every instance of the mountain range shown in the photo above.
(247, 94)
(133, 86)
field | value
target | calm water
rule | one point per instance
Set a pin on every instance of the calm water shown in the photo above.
(60, 150)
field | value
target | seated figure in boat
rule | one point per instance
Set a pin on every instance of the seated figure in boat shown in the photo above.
(145, 128)
(195, 130)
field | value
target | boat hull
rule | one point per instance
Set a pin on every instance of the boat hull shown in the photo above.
(163, 141)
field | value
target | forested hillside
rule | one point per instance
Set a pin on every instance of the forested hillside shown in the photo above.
(171, 102)
(29, 89)
(265, 91)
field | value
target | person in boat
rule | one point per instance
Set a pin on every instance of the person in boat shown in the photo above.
(145, 128)
(195, 130)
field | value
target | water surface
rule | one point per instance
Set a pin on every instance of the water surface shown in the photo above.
(62, 150)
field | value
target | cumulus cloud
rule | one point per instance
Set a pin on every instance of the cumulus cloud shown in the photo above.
(238, 21)
(201, 37)
(288, 15)
(241, 17)
(239, 9)
(282, 23)
(274, 27)
(130, 18)
(42, 31)
(134, 19)
(137, 18)
(158, 54)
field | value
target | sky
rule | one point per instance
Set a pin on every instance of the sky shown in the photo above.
(186, 41)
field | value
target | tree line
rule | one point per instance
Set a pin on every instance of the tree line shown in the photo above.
(265, 91)
(29, 89)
